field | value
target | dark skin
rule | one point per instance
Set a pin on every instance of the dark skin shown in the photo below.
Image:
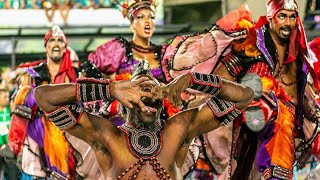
(281, 27)
(109, 143)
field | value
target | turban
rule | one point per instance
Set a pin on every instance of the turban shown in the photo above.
(273, 6)
(55, 31)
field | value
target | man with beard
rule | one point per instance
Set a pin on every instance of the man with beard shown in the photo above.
(44, 148)
(144, 147)
(274, 57)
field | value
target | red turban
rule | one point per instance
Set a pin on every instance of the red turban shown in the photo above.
(273, 6)
(55, 31)
(298, 41)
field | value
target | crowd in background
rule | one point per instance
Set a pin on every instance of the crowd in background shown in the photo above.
(43, 4)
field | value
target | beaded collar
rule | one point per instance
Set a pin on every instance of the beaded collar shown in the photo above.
(141, 49)
(143, 143)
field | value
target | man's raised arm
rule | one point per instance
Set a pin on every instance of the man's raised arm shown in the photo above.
(228, 98)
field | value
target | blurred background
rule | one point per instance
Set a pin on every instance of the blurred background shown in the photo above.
(90, 23)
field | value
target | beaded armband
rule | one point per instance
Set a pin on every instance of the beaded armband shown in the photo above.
(23, 111)
(233, 64)
(89, 89)
(66, 117)
(207, 83)
(276, 171)
(225, 111)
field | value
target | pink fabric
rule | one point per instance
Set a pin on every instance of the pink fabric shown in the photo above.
(231, 20)
(108, 56)
(200, 53)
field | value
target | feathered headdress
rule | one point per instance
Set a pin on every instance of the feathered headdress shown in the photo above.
(128, 8)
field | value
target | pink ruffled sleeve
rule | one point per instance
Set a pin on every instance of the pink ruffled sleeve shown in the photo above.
(201, 52)
(108, 56)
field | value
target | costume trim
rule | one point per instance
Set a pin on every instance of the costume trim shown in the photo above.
(276, 171)
(233, 64)
(23, 111)
(262, 46)
(65, 117)
(143, 143)
(210, 84)
(161, 172)
(89, 89)
(225, 111)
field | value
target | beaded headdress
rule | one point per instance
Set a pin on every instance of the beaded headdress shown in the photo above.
(142, 68)
(128, 8)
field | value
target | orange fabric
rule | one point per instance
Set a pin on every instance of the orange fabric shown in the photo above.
(249, 45)
(55, 146)
(280, 147)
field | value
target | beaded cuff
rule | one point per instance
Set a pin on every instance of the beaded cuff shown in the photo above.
(23, 111)
(225, 111)
(233, 64)
(207, 83)
(276, 171)
(66, 117)
(89, 89)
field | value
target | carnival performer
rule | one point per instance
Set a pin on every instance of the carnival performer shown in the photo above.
(275, 57)
(145, 146)
(279, 60)
(45, 151)
(117, 57)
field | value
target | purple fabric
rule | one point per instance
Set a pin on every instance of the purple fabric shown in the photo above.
(262, 47)
(127, 67)
(108, 56)
(263, 158)
(32, 72)
(35, 128)
(117, 120)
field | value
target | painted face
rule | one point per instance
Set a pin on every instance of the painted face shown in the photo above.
(154, 105)
(283, 23)
(55, 48)
(143, 23)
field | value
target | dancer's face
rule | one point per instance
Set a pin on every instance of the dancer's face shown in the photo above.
(154, 104)
(55, 48)
(143, 23)
(283, 23)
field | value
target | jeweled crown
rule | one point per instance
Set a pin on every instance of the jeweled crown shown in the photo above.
(128, 8)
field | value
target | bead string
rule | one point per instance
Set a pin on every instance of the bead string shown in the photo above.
(160, 171)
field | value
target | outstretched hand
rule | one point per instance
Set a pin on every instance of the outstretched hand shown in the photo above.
(173, 90)
(130, 92)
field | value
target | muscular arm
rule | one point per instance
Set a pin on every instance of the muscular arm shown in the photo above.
(52, 97)
(227, 95)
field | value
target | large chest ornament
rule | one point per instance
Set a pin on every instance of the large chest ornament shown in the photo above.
(144, 143)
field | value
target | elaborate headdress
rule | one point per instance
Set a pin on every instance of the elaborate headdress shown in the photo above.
(130, 8)
(142, 68)
(55, 31)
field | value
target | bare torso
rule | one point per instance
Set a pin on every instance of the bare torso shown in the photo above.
(115, 158)
(286, 75)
